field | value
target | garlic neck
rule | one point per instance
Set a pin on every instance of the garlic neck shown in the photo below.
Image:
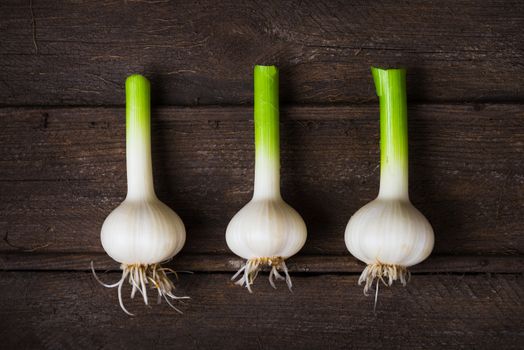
(394, 182)
(267, 178)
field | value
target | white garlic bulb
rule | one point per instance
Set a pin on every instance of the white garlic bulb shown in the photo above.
(389, 235)
(267, 230)
(141, 232)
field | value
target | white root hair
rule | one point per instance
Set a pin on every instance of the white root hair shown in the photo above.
(385, 273)
(139, 277)
(249, 272)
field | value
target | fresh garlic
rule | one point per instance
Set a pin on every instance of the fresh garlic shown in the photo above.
(267, 230)
(142, 232)
(389, 233)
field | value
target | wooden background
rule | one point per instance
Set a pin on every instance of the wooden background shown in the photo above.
(62, 168)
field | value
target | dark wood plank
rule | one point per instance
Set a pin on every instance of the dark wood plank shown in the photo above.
(63, 171)
(79, 53)
(64, 310)
(230, 263)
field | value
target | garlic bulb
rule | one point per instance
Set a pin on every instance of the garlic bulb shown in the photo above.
(389, 234)
(142, 232)
(267, 230)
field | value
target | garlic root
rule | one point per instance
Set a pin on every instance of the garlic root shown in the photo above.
(250, 270)
(139, 277)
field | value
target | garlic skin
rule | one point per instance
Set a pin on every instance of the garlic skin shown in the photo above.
(390, 232)
(142, 232)
(266, 228)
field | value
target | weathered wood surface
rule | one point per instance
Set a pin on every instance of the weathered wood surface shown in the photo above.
(35, 261)
(78, 52)
(66, 310)
(63, 171)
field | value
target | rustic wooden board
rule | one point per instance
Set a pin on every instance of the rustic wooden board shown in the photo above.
(65, 310)
(79, 52)
(62, 168)
(63, 171)
(35, 261)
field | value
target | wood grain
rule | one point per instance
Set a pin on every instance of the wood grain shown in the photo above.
(79, 52)
(64, 310)
(63, 171)
(230, 263)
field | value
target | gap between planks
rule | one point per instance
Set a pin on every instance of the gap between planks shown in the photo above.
(229, 263)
